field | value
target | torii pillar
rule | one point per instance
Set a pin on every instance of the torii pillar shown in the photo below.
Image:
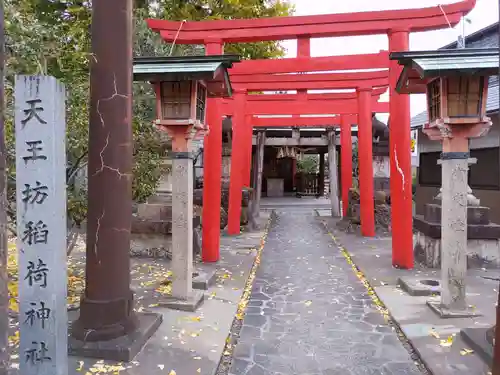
(346, 161)
(248, 134)
(238, 157)
(365, 160)
(212, 165)
(400, 156)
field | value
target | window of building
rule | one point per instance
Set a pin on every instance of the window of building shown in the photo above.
(484, 175)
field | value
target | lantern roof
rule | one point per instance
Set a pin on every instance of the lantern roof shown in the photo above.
(213, 70)
(419, 67)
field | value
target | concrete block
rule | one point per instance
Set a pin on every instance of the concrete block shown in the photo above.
(204, 279)
(445, 313)
(478, 339)
(193, 301)
(420, 287)
(154, 211)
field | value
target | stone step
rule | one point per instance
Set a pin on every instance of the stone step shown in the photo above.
(476, 215)
(157, 245)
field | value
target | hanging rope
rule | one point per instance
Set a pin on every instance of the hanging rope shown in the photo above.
(176, 36)
(445, 16)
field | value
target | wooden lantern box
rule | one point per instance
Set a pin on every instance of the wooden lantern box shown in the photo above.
(455, 82)
(183, 84)
(179, 101)
(457, 99)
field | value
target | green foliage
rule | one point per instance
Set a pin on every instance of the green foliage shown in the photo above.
(53, 37)
(308, 164)
(197, 10)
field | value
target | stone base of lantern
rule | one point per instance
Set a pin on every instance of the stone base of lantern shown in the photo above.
(483, 238)
(444, 312)
(190, 304)
(123, 348)
(481, 341)
(204, 278)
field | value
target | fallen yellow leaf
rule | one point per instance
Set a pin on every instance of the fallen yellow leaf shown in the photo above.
(466, 351)
(447, 343)
(308, 303)
(434, 334)
(172, 372)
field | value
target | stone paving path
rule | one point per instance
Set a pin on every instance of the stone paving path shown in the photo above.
(309, 314)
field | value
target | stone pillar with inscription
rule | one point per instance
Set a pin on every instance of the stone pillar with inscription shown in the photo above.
(183, 295)
(454, 201)
(41, 224)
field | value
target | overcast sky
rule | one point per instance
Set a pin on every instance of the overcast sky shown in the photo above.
(485, 13)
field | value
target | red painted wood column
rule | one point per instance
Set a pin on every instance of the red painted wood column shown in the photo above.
(238, 151)
(400, 154)
(303, 50)
(248, 150)
(212, 172)
(365, 160)
(345, 160)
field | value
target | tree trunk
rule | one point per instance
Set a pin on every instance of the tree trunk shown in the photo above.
(4, 278)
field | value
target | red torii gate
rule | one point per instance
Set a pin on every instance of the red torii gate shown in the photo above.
(396, 24)
(246, 107)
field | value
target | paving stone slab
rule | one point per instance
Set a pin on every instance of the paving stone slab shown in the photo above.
(422, 327)
(309, 314)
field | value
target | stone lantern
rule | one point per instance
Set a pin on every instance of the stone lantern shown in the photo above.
(182, 86)
(456, 84)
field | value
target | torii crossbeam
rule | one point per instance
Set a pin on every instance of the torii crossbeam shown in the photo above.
(396, 24)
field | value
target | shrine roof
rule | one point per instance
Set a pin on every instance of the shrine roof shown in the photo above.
(484, 38)
(211, 69)
(445, 62)
(421, 65)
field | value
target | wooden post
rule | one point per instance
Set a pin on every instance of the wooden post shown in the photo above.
(346, 161)
(332, 166)
(41, 224)
(496, 354)
(365, 157)
(212, 165)
(4, 278)
(248, 151)
(400, 155)
(261, 142)
(321, 184)
(237, 163)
